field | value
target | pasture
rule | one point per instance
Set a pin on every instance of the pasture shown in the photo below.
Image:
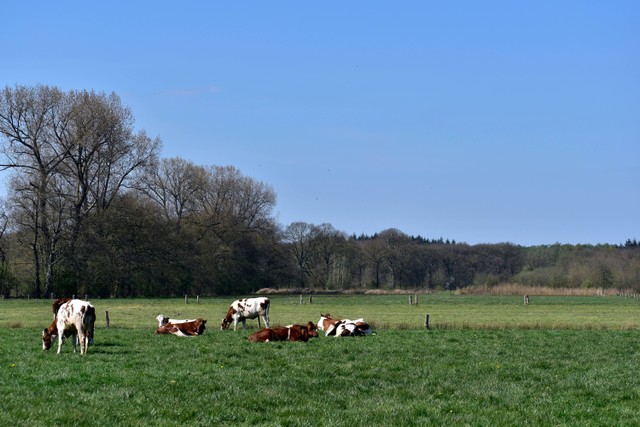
(486, 361)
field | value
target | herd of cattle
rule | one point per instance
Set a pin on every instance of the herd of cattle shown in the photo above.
(76, 318)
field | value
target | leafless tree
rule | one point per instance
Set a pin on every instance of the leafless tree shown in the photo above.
(300, 239)
(175, 185)
(71, 153)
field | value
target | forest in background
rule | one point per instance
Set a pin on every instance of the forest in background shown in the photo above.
(92, 208)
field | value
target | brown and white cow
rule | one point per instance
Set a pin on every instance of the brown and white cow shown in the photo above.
(247, 308)
(164, 320)
(74, 318)
(342, 327)
(281, 333)
(184, 329)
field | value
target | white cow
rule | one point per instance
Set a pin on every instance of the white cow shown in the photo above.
(74, 318)
(248, 308)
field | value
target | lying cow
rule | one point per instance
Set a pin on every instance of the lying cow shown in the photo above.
(73, 318)
(248, 308)
(164, 320)
(189, 328)
(311, 327)
(281, 333)
(342, 327)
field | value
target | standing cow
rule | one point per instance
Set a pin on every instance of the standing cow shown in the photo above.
(247, 308)
(74, 318)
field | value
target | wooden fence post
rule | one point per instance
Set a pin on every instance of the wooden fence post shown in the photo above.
(410, 300)
(106, 317)
(186, 298)
(310, 298)
(416, 299)
(300, 298)
(197, 299)
(426, 321)
(526, 300)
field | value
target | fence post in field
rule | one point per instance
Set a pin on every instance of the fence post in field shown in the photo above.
(86, 297)
(310, 298)
(73, 296)
(186, 298)
(106, 317)
(300, 298)
(197, 299)
(410, 300)
(526, 300)
(426, 321)
(416, 299)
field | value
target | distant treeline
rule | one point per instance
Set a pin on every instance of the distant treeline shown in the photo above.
(93, 209)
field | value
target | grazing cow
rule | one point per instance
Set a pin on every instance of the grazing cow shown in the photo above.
(53, 328)
(342, 327)
(74, 318)
(281, 333)
(189, 328)
(164, 320)
(248, 308)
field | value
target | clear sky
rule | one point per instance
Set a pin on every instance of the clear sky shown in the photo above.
(477, 121)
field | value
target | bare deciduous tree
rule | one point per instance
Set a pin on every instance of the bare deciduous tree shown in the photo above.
(71, 152)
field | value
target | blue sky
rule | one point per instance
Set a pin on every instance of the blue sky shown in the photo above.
(478, 121)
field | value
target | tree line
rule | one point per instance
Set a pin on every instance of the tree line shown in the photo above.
(92, 208)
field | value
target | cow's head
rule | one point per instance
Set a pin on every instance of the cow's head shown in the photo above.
(162, 320)
(324, 322)
(312, 329)
(228, 318)
(47, 339)
(200, 325)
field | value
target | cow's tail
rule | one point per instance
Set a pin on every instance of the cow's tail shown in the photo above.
(89, 321)
(266, 313)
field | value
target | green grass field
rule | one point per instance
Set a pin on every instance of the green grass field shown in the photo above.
(486, 361)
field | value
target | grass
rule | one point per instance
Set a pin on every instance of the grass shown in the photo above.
(404, 375)
(383, 311)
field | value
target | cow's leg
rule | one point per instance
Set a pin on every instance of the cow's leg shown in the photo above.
(235, 325)
(266, 320)
(74, 337)
(84, 343)
(244, 323)
(60, 335)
